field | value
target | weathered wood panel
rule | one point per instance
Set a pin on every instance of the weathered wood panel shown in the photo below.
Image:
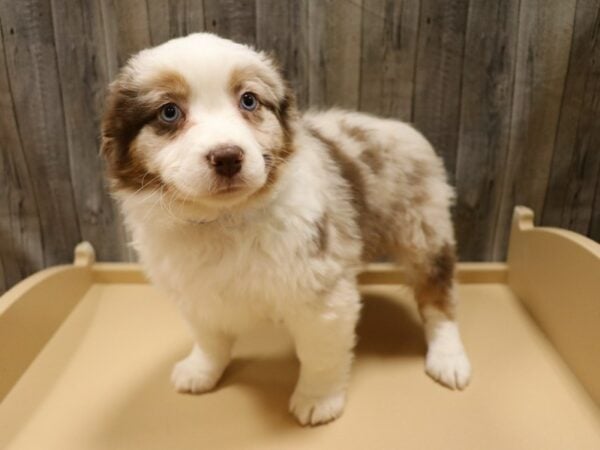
(127, 28)
(388, 57)
(235, 19)
(544, 42)
(576, 162)
(21, 251)
(30, 57)
(440, 50)
(174, 18)
(334, 52)
(83, 72)
(488, 72)
(508, 92)
(282, 30)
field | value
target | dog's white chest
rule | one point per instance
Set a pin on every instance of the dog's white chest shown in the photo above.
(255, 268)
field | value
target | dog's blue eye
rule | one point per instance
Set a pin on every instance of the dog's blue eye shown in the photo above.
(170, 113)
(248, 101)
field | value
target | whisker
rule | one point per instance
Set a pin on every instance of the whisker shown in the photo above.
(166, 208)
(143, 178)
(153, 204)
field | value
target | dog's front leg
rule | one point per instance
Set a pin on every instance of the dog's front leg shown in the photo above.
(324, 337)
(201, 370)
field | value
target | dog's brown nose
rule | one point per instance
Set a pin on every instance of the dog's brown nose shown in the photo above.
(226, 160)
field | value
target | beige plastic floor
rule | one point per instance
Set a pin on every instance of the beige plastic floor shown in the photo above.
(102, 382)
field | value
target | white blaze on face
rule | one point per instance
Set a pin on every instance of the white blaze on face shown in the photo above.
(217, 73)
(183, 161)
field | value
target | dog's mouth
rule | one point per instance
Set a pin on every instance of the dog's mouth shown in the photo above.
(219, 193)
(231, 189)
(228, 187)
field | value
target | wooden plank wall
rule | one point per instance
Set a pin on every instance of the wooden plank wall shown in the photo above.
(508, 92)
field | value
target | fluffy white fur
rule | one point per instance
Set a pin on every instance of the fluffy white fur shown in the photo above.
(234, 260)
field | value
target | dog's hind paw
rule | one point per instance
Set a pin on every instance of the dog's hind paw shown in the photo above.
(450, 369)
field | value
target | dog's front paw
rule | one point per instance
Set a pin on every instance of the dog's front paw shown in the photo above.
(191, 375)
(310, 410)
(452, 369)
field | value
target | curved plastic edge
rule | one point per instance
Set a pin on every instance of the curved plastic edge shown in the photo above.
(34, 281)
(556, 275)
(523, 219)
(27, 321)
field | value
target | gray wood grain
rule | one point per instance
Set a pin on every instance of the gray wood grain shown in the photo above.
(440, 50)
(233, 19)
(576, 160)
(334, 52)
(174, 18)
(488, 71)
(282, 30)
(544, 41)
(126, 28)
(83, 68)
(508, 92)
(317, 64)
(21, 251)
(388, 57)
(32, 68)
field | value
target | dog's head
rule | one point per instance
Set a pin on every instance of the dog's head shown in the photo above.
(202, 119)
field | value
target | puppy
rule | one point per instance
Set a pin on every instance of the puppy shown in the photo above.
(244, 211)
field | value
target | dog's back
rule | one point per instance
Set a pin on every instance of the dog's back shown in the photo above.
(393, 175)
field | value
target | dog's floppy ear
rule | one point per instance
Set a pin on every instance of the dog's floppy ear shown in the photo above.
(286, 107)
(125, 114)
(276, 69)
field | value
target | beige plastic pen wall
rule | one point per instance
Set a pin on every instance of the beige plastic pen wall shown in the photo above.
(86, 349)
(33, 310)
(556, 274)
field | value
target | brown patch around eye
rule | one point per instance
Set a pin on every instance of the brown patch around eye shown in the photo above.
(275, 98)
(130, 107)
(286, 114)
(236, 80)
(127, 170)
(172, 84)
(253, 117)
(169, 129)
(264, 77)
(251, 73)
(173, 89)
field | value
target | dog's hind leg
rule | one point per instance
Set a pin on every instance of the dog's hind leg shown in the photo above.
(429, 256)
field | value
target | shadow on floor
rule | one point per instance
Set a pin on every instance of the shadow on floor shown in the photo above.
(258, 389)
